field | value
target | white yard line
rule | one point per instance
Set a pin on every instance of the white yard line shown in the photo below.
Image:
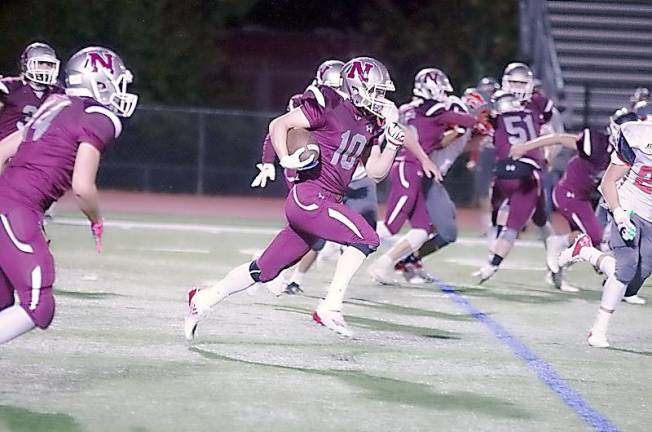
(237, 229)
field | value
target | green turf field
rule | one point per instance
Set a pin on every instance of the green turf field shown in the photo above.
(115, 358)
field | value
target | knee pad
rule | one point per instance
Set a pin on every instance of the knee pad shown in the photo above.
(365, 248)
(318, 245)
(254, 271)
(41, 311)
(508, 234)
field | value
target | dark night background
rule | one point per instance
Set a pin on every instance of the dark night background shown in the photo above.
(247, 55)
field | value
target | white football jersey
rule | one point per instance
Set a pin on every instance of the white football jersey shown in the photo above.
(635, 150)
(445, 157)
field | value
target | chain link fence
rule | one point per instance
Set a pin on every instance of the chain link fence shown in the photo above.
(207, 151)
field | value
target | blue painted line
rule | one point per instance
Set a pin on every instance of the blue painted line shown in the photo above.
(544, 371)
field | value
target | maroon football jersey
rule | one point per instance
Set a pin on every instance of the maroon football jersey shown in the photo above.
(430, 119)
(541, 108)
(41, 170)
(585, 169)
(20, 101)
(514, 128)
(342, 132)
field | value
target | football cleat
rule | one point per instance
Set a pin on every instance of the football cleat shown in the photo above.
(554, 246)
(333, 320)
(635, 300)
(382, 274)
(485, 273)
(571, 254)
(293, 288)
(597, 340)
(557, 280)
(192, 318)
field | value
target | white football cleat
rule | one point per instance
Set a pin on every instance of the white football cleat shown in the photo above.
(597, 340)
(485, 273)
(635, 300)
(554, 246)
(333, 320)
(192, 317)
(382, 274)
(566, 287)
(559, 281)
(571, 254)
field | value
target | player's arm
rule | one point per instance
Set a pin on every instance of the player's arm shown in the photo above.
(83, 181)
(266, 169)
(450, 136)
(8, 147)
(412, 144)
(378, 163)
(278, 132)
(609, 184)
(567, 140)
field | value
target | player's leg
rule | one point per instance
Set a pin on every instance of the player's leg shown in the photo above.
(382, 270)
(631, 294)
(285, 250)
(483, 182)
(522, 203)
(6, 292)
(627, 259)
(29, 268)
(645, 266)
(332, 220)
(404, 190)
(296, 280)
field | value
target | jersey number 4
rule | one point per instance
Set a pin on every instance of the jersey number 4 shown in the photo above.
(44, 116)
(349, 151)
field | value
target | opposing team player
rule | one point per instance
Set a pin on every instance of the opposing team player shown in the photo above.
(61, 149)
(346, 130)
(630, 203)
(428, 116)
(573, 196)
(21, 96)
(441, 208)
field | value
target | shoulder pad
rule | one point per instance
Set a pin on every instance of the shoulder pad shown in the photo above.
(434, 109)
(637, 134)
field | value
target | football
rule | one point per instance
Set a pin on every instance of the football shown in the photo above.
(301, 138)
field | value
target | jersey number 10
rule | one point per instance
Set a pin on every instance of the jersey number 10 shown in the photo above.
(348, 152)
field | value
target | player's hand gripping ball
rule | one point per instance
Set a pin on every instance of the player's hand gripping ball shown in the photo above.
(303, 150)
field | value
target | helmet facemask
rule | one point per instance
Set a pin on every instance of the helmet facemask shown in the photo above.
(521, 89)
(42, 70)
(373, 99)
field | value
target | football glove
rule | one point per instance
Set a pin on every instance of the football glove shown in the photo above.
(97, 229)
(294, 161)
(626, 227)
(394, 134)
(267, 172)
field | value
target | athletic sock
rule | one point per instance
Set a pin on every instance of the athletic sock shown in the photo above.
(593, 256)
(238, 279)
(432, 245)
(601, 322)
(347, 266)
(612, 293)
(14, 321)
(545, 231)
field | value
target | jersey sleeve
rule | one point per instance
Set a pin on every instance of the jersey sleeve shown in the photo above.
(314, 112)
(624, 152)
(269, 155)
(457, 118)
(99, 127)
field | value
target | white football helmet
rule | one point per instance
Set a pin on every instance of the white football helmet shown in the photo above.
(504, 102)
(620, 116)
(39, 64)
(518, 80)
(100, 73)
(329, 73)
(366, 80)
(432, 83)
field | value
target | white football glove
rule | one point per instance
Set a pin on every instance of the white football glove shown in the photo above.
(394, 134)
(623, 219)
(267, 172)
(294, 161)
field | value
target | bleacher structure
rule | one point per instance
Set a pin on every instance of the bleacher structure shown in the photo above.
(591, 55)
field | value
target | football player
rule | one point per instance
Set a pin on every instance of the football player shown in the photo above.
(627, 191)
(441, 208)
(61, 150)
(427, 117)
(21, 96)
(347, 131)
(573, 195)
(516, 182)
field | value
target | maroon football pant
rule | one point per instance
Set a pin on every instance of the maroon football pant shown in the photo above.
(313, 214)
(26, 264)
